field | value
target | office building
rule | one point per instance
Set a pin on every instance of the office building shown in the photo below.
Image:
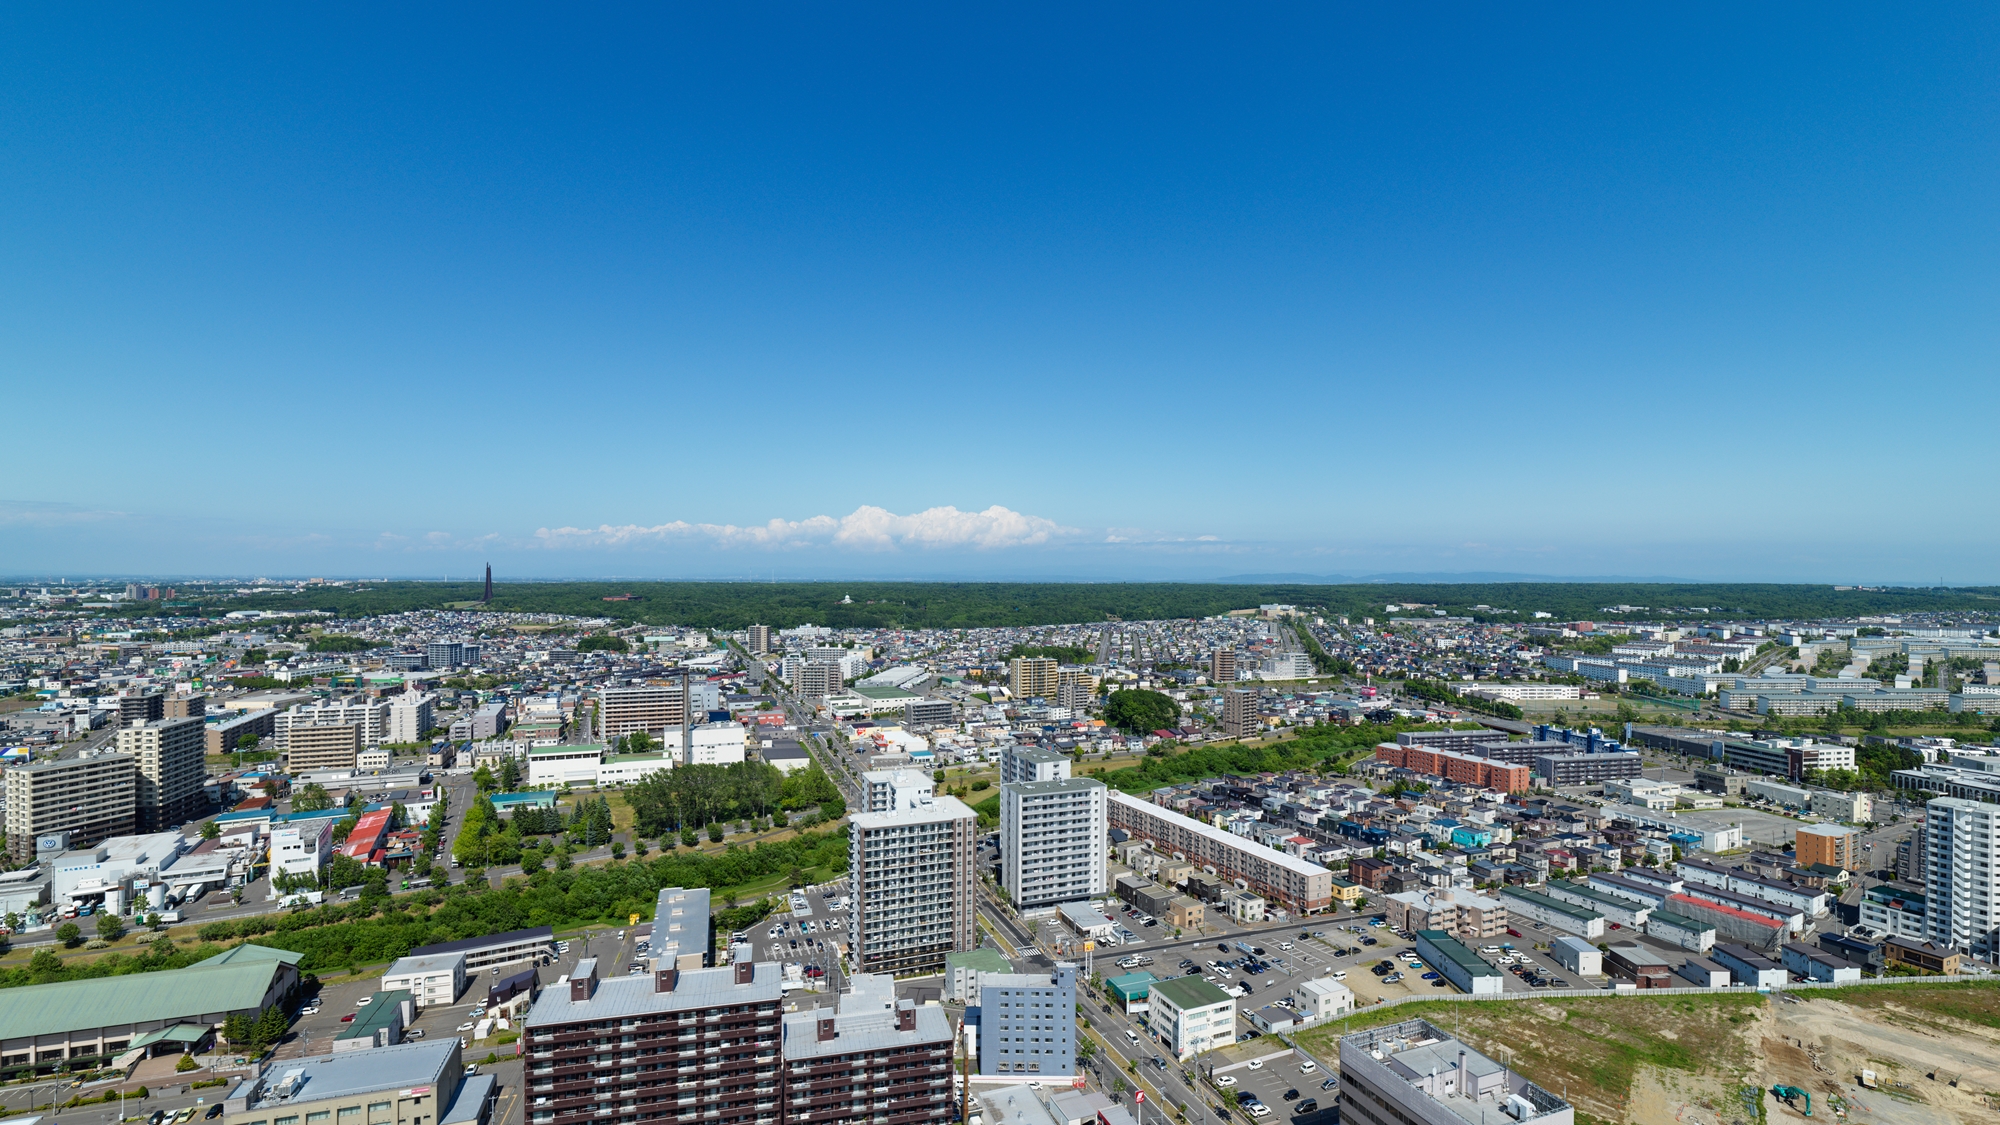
(889, 790)
(407, 1083)
(1027, 1022)
(1222, 666)
(432, 982)
(717, 744)
(169, 754)
(1239, 712)
(369, 717)
(71, 802)
(327, 747)
(710, 1039)
(302, 850)
(912, 876)
(411, 717)
(1416, 1073)
(1962, 909)
(1052, 840)
(870, 1059)
(758, 639)
(1191, 1015)
(1033, 677)
(1300, 885)
(1831, 844)
(928, 712)
(654, 709)
(1032, 763)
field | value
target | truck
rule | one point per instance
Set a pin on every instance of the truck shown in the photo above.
(1244, 947)
(170, 917)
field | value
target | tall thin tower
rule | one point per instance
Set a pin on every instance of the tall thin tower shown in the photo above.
(489, 583)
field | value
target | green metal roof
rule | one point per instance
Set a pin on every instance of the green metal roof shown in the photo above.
(1189, 992)
(1132, 986)
(181, 994)
(251, 954)
(378, 1013)
(985, 959)
(179, 1033)
(1536, 898)
(1449, 946)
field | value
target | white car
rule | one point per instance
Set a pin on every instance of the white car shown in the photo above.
(1340, 974)
(1260, 1110)
(1225, 1082)
(1284, 945)
(1256, 1064)
(465, 1027)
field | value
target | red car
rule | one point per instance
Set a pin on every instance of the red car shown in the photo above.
(347, 1018)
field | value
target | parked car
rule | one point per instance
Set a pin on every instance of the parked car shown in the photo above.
(1310, 1105)
(1225, 1081)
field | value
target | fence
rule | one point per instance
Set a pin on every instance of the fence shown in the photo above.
(1691, 990)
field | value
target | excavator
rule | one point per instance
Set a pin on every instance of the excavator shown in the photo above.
(1790, 1095)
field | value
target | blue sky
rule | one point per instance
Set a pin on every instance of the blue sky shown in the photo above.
(1140, 291)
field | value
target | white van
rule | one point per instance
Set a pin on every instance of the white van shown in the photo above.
(1308, 1066)
(1132, 1035)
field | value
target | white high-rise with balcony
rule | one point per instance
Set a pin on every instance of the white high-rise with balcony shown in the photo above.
(1053, 836)
(1962, 907)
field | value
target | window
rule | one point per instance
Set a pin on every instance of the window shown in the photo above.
(349, 1113)
(289, 1119)
(317, 1117)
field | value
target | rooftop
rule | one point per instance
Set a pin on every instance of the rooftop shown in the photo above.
(1217, 835)
(1455, 950)
(1189, 992)
(352, 1073)
(467, 945)
(620, 996)
(239, 983)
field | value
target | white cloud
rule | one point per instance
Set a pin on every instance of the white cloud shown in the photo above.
(867, 528)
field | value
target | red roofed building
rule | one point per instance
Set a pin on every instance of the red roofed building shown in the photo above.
(365, 843)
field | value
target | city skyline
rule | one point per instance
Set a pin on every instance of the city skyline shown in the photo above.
(1053, 294)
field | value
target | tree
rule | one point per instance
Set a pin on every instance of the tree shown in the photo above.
(715, 831)
(69, 934)
(510, 775)
(271, 1026)
(186, 1064)
(110, 927)
(483, 778)
(602, 642)
(1137, 712)
(312, 798)
(210, 830)
(245, 742)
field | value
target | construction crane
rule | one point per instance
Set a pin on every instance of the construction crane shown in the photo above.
(1790, 1095)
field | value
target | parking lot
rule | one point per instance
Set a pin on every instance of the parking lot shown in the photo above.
(810, 936)
(1282, 1086)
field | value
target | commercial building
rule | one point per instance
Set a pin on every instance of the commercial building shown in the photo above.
(1191, 1015)
(82, 1024)
(912, 876)
(432, 982)
(721, 743)
(965, 969)
(1638, 964)
(929, 712)
(1457, 963)
(1577, 955)
(1415, 1073)
(1300, 885)
(1027, 1022)
(1848, 808)
(168, 752)
(302, 850)
(1052, 840)
(1963, 910)
(1831, 844)
(653, 709)
(1033, 677)
(1587, 769)
(327, 747)
(536, 945)
(408, 1083)
(71, 802)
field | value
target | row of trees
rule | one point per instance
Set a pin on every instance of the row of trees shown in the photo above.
(675, 800)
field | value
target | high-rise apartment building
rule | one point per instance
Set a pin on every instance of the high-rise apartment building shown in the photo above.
(141, 707)
(184, 707)
(872, 1059)
(326, 746)
(912, 877)
(89, 798)
(1962, 895)
(369, 716)
(654, 709)
(759, 639)
(1052, 840)
(817, 679)
(1027, 1022)
(671, 1045)
(1033, 677)
(889, 790)
(1032, 763)
(169, 754)
(411, 717)
(1222, 666)
(445, 655)
(1239, 712)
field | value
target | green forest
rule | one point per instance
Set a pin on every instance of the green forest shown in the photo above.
(731, 605)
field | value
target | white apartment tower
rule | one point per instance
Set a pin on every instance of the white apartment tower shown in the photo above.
(410, 717)
(1032, 763)
(370, 716)
(889, 790)
(1963, 900)
(912, 874)
(1052, 840)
